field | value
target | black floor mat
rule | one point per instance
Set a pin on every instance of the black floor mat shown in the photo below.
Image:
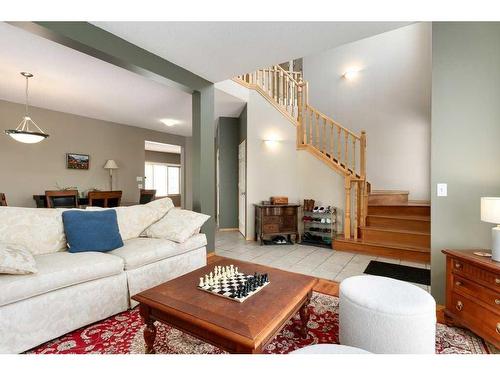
(396, 271)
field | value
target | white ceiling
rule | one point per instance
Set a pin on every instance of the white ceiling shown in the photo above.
(69, 81)
(221, 50)
(162, 147)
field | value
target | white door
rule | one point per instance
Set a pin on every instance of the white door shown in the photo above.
(242, 188)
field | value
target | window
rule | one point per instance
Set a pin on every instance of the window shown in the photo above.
(164, 178)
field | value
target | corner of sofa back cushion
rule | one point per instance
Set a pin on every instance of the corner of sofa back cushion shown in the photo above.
(134, 220)
(39, 230)
(92, 230)
(16, 260)
(163, 205)
(177, 225)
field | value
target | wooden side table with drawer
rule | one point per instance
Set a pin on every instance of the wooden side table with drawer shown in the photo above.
(473, 293)
(276, 219)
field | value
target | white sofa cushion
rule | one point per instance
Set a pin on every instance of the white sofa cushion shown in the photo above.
(58, 270)
(133, 220)
(177, 225)
(138, 252)
(39, 230)
(16, 260)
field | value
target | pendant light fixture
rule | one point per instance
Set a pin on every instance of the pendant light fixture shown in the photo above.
(27, 131)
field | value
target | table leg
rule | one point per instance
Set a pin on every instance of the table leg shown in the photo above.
(149, 330)
(304, 317)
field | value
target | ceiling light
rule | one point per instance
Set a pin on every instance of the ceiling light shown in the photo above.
(27, 131)
(351, 74)
(169, 121)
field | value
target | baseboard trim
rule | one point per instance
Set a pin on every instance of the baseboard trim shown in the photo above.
(228, 229)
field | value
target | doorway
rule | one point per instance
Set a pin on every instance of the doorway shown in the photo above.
(242, 188)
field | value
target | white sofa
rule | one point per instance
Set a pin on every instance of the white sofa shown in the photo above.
(71, 290)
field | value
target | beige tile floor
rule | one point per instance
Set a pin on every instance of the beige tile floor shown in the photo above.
(315, 261)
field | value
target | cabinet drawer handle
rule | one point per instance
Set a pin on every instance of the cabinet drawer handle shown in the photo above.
(458, 265)
(498, 328)
(497, 281)
(459, 306)
(458, 283)
(497, 301)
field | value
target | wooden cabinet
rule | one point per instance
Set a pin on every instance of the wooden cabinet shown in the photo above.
(274, 220)
(473, 293)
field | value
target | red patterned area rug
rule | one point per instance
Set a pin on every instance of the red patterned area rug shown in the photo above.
(122, 334)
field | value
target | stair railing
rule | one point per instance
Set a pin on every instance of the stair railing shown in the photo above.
(320, 134)
(277, 84)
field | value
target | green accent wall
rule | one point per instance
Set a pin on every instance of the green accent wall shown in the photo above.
(228, 133)
(465, 135)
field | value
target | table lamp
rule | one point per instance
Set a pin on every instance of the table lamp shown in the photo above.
(110, 165)
(490, 213)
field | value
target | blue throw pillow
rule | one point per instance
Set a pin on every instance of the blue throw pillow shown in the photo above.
(91, 230)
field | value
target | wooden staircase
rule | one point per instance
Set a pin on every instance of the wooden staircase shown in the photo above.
(394, 228)
(378, 222)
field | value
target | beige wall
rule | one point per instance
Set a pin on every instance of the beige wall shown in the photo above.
(390, 99)
(31, 169)
(465, 136)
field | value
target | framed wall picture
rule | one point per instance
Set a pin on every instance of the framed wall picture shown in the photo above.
(77, 161)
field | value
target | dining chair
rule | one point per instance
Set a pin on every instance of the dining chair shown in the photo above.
(146, 196)
(105, 199)
(61, 198)
(3, 200)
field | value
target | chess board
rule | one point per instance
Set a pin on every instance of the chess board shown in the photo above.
(228, 288)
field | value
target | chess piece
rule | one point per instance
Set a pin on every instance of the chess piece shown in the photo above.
(236, 270)
(207, 280)
(201, 285)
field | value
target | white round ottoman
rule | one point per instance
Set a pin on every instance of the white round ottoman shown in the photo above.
(383, 315)
(329, 349)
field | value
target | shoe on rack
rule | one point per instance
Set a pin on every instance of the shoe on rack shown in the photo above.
(323, 221)
(328, 220)
(316, 209)
(328, 210)
(321, 210)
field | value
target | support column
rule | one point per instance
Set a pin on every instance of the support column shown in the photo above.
(203, 159)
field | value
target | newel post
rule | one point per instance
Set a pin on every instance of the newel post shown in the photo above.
(300, 104)
(364, 187)
(347, 209)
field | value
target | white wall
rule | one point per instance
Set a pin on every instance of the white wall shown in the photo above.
(282, 169)
(390, 99)
(270, 170)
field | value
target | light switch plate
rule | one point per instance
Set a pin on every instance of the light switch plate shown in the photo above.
(139, 186)
(138, 179)
(442, 190)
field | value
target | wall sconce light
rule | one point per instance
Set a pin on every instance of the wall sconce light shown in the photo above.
(271, 143)
(351, 74)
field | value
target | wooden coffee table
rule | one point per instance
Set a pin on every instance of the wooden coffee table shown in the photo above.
(235, 327)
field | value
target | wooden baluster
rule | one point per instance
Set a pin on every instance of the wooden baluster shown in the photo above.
(346, 149)
(275, 83)
(357, 206)
(362, 155)
(354, 155)
(338, 145)
(300, 125)
(311, 139)
(287, 94)
(331, 141)
(292, 98)
(347, 209)
(318, 140)
(324, 136)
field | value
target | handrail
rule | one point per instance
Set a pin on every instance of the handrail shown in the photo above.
(321, 114)
(339, 147)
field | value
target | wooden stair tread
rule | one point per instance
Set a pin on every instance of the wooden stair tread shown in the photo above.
(389, 192)
(409, 204)
(389, 245)
(390, 230)
(402, 217)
